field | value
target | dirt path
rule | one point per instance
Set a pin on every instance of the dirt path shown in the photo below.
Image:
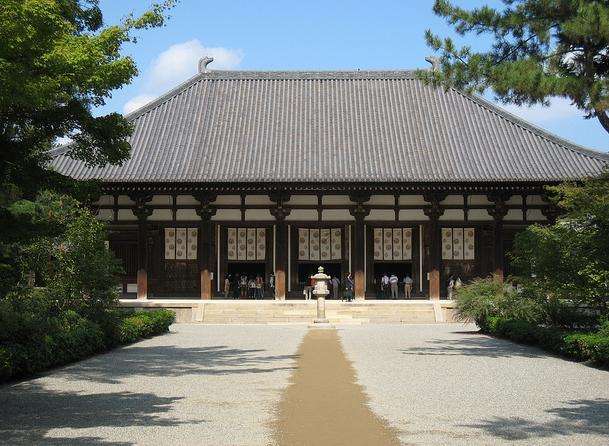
(323, 404)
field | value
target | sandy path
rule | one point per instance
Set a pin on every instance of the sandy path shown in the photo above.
(323, 404)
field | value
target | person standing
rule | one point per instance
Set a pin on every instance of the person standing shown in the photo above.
(349, 288)
(272, 284)
(384, 285)
(407, 286)
(226, 286)
(259, 284)
(450, 287)
(243, 286)
(252, 288)
(335, 285)
(393, 283)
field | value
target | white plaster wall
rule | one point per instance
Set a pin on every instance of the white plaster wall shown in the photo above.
(535, 199)
(302, 199)
(453, 214)
(302, 215)
(381, 214)
(514, 215)
(479, 215)
(535, 215)
(105, 200)
(336, 199)
(124, 199)
(382, 200)
(187, 215)
(336, 215)
(515, 199)
(412, 215)
(228, 199)
(227, 214)
(126, 215)
(453, 199)
(409, 200)
(105, 214)
(161, 215)
(478, 199)
(258, 214)
(162, 200)
(186, 199)
(257, 199)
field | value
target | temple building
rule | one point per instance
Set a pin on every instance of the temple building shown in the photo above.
(271, 174)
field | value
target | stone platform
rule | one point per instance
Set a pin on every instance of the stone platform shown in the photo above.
(300, 311)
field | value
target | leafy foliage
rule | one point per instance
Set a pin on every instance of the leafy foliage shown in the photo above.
(71, 259)
(540, 49)
(66, 337)
(57, 62)
(593, 347)
(482, 299)
(569, 261)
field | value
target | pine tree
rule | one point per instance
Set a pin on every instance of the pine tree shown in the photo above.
(540, 49)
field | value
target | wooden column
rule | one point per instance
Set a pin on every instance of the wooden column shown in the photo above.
(281, 244)
(434, 211)
(206, 212)
(142, 212)
(359, 212)
(498, 212)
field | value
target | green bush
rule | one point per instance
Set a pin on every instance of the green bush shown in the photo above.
(488, 297)
(144, 324)
(70, 337)
(592, 347)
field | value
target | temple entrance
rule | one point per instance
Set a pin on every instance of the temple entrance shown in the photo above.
(241, 274)
(400, 269)
(306, 270)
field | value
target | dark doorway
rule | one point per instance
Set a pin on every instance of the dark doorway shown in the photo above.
(306, 270)
(251, 270)
(400, 269)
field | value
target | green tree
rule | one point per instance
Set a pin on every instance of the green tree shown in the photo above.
(540, 49)
(58, 61)
(569, 261)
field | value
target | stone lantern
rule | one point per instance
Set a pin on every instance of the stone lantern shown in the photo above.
(321, 291)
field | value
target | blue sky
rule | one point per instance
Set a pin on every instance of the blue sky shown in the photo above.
(313, 35)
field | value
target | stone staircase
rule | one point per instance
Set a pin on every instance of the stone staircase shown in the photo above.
(300, 312)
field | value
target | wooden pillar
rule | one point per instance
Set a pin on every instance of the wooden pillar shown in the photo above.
(359, 212)
(434, 211)
(142, 212)
(498, 212)
(281, 244)
(206, 212)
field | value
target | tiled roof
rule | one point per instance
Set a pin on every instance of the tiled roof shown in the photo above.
(364, 126)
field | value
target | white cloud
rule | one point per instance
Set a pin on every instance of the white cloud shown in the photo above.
(559, 108)
(178, 63)
(137, 102)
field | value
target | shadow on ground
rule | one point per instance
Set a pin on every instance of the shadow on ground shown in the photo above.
(28, 412)
(475, 345)
(170, 360)
(575, 417)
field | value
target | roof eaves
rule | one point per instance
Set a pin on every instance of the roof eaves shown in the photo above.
(533, 128)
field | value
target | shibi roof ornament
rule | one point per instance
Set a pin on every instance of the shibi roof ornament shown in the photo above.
(203, 62)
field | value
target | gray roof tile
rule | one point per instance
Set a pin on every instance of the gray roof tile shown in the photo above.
(385, 126)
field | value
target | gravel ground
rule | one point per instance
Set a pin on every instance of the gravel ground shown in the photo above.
(449, 385)
(211, 385)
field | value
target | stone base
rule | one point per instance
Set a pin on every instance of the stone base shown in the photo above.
(322, 325)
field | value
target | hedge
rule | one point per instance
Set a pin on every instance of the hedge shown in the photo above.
(592, 347)
(73, 338)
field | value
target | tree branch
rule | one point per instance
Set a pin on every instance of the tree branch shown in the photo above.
(603, 118)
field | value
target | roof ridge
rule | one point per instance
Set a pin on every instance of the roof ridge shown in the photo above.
(541, 132)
